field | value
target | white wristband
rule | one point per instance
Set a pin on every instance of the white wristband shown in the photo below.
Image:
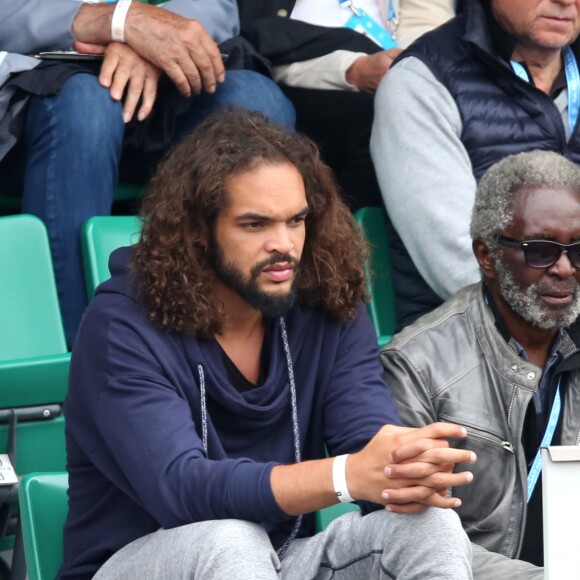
(118, 20)
(339, 479)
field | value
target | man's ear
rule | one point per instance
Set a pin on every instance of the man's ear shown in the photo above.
(484, 259)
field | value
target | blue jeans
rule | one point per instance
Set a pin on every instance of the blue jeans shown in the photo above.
(67, 163)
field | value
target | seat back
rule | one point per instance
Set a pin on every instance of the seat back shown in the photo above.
(43, 507)
(379, 272)
(325, 516)
(100, 236)
(30, 320)
(34, 362)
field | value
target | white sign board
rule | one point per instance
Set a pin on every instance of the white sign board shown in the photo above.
(561, 505)
(7, 474)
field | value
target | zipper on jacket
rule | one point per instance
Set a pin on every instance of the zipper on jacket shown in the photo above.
(482, 434)
(518, 531)
(513, 400)
(516, 538)
(508, 446)
(491, 439)
(498, 442)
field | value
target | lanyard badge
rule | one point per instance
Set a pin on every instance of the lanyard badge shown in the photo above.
(536, 468)
(572, 81)
(361, 22)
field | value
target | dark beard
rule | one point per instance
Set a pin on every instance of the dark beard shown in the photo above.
(229, 275)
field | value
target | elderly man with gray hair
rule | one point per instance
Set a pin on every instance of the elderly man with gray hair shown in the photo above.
(502, 357)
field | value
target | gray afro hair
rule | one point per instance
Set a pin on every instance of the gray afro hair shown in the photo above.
(493, 210)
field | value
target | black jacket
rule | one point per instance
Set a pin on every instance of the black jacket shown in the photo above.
(267, 25)
(463, 56)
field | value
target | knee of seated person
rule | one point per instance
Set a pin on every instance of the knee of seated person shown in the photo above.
(445, 521)
(431, 522)
(84, 111)
(232, 541)
(256, 92)
(238, 534)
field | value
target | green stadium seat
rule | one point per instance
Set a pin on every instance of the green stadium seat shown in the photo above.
(379, 272)
(326, 515)
(30, 321)
(34, 362)
(43, 507)
(99, 237)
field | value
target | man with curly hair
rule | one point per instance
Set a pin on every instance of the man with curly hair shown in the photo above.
(502, 357)
(227, 353)
(73, 126)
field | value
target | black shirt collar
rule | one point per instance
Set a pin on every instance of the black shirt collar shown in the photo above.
(236, 378)
(503, 42)
(498, 318)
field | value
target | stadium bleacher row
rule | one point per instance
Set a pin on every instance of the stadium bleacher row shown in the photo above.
(34, 365)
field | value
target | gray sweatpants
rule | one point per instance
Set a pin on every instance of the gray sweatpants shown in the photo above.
(426, 546)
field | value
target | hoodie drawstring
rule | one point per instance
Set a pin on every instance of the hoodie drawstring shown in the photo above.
(295, 429)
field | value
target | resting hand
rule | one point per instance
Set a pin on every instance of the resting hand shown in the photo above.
(124, 72)
(179, 46)
(409, 469)
(366, 72)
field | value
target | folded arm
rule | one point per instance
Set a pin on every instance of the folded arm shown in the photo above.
(180, 47)
(338, 70)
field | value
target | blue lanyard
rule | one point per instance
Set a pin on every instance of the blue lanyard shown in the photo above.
(363, 23)
(392, 20)
(536, 469)
(572, 80)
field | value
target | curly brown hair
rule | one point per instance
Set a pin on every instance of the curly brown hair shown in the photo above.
(172, 268)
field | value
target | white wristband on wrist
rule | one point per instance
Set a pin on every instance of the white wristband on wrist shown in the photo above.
(118, 20)
(339, 479)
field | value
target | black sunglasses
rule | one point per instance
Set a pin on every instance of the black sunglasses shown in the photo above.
(543, 253)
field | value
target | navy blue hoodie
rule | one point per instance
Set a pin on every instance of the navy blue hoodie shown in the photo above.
(135, 456)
